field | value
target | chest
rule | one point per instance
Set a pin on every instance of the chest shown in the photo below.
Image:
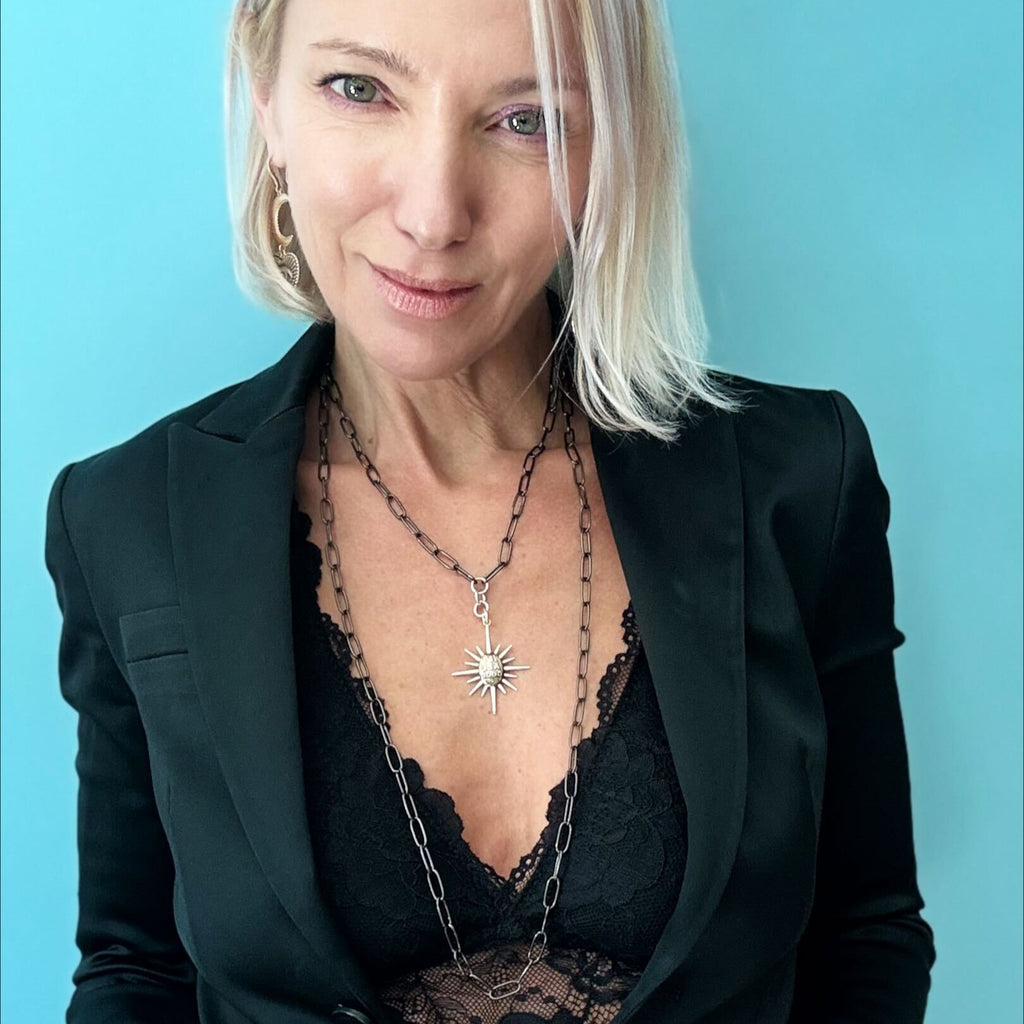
(414, 622)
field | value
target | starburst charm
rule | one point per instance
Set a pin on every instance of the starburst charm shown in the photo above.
(490, 670)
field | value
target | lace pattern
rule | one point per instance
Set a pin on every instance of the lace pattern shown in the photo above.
(609, 691)
(570, 986)
(620, 878)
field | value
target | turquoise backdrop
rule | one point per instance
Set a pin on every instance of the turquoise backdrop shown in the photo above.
(857, 225)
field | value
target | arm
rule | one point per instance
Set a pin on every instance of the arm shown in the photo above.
(867, 953)
(133, 967)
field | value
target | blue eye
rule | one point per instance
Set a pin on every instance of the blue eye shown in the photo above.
(360, 91)
(532, 118)
(353, 88)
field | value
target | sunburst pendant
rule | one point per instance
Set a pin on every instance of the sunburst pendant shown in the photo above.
(490, 671)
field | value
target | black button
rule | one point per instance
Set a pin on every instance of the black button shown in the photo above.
(350, 1014)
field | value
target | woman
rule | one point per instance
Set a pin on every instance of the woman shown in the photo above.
(669, 781)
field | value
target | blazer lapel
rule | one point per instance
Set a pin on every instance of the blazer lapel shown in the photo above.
(230, 486)
(677, 517)
(676, 514)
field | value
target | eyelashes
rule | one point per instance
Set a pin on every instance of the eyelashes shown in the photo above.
(329, 84)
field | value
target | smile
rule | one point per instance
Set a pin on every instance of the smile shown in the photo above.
(418, 302)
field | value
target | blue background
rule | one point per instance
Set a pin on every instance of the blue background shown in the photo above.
(857, 225)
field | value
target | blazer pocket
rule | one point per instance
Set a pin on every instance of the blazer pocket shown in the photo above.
(155, 650)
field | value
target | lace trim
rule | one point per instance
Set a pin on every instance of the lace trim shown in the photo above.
(609, 694)
(570, 986)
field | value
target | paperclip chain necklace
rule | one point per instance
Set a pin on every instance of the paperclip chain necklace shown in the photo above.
(570, 784)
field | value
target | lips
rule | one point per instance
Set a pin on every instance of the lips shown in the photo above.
(433, 285)
(423, 304)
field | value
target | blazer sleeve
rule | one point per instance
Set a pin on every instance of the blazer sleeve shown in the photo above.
(866, 955)
(133, 967)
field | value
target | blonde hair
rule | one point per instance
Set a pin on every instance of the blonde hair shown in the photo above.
(625, 278)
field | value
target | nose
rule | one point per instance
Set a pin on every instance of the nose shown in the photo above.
(434, 202)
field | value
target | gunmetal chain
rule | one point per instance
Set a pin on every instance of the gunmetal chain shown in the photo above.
(570, 784)
(397, 509)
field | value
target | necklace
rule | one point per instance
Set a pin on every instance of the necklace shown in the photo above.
(490, 671)
(570, 784)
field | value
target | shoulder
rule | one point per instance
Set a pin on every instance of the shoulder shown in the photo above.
(113, 505)
(785, 411)
(799, 430)
(106, 520)
(804, 454)
(107, 527)
(810, 478)
(137, 467)
(130, 472)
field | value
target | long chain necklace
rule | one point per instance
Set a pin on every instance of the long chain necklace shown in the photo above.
(570, 784)
(491, 671)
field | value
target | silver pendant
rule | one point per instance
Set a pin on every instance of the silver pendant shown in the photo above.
(490, 671)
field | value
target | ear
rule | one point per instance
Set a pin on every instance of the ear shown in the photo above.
(265, 111)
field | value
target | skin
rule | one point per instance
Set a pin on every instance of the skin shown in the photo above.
(433, 179)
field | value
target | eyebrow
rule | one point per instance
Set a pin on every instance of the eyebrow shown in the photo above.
(399, 65)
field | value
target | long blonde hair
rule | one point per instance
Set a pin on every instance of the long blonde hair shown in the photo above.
(625, 278)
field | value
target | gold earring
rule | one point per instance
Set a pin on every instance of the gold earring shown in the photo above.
(287, 262)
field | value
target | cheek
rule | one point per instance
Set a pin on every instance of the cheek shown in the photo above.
(330, 196)
(343, 203)
(519, 216)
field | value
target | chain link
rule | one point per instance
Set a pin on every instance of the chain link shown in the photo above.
(397, 509)
(570, 784)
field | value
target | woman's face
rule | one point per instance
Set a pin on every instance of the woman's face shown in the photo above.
(431, 164)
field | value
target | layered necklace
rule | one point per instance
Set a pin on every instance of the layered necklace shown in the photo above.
(491, 670)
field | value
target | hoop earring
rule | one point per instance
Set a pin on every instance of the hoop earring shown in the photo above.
(287, 262)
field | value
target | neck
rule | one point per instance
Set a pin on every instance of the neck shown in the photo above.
(452, 431)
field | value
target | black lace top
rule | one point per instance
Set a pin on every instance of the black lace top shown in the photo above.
(620, 877)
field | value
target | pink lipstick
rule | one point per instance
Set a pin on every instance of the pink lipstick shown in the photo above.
(420, 302)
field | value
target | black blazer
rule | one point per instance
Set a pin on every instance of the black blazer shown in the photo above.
(756, 556)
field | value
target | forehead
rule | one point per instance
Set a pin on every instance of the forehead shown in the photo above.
(419, 40)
